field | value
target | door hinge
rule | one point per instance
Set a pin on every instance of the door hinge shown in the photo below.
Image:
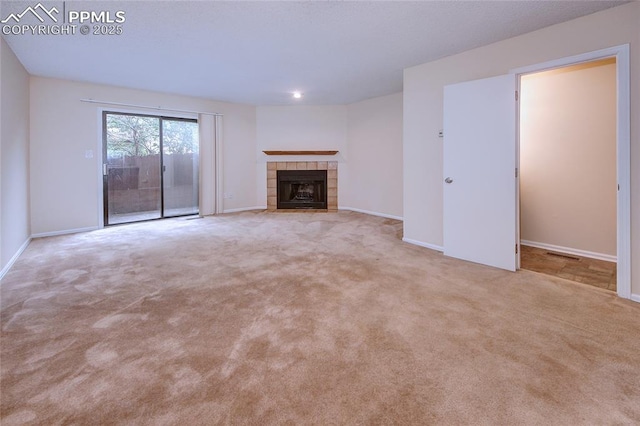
(516, 172)
(516, 248)
(105, 172)
(516, 95)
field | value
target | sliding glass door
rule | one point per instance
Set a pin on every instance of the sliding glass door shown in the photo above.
(150, 169)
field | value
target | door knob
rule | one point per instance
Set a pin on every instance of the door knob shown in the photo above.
(448, 180)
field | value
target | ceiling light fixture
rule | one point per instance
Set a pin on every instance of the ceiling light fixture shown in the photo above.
(297, 95)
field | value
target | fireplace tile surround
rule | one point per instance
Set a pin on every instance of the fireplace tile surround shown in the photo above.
(332, 181)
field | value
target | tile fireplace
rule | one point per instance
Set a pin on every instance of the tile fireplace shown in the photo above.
(302, 185)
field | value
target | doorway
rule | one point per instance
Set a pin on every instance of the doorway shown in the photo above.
(568, 179)
(488, 173)
(151, 167)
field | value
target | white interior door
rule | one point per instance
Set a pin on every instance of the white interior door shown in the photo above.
(480, 171)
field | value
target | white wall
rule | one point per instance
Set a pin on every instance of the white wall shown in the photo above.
(423, 87)
(568, 157)
(367, 134)
(300, 128)
(66, 187)
(375, 155)
(14, 156)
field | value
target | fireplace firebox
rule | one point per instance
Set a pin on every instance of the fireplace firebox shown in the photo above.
(302, 189)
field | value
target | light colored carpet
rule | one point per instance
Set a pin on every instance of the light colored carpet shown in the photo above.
(258, 318)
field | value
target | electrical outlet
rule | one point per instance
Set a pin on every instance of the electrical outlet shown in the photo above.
(88, 153)
(228, 195)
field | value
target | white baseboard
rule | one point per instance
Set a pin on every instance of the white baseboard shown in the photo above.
(568, 250)
(244, 209)
(65, 232)
(15, 257)
(426, 245)
(388, 216)
(635, 297)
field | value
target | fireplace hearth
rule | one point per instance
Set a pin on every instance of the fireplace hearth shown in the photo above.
(302, 189)
(303, 193)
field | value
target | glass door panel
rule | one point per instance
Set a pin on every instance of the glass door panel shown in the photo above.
(132, 170)
(180, 164)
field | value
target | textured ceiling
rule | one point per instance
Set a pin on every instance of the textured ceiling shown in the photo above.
(260, 52)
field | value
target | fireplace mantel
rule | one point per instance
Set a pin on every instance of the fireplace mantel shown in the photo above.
(300, 152)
